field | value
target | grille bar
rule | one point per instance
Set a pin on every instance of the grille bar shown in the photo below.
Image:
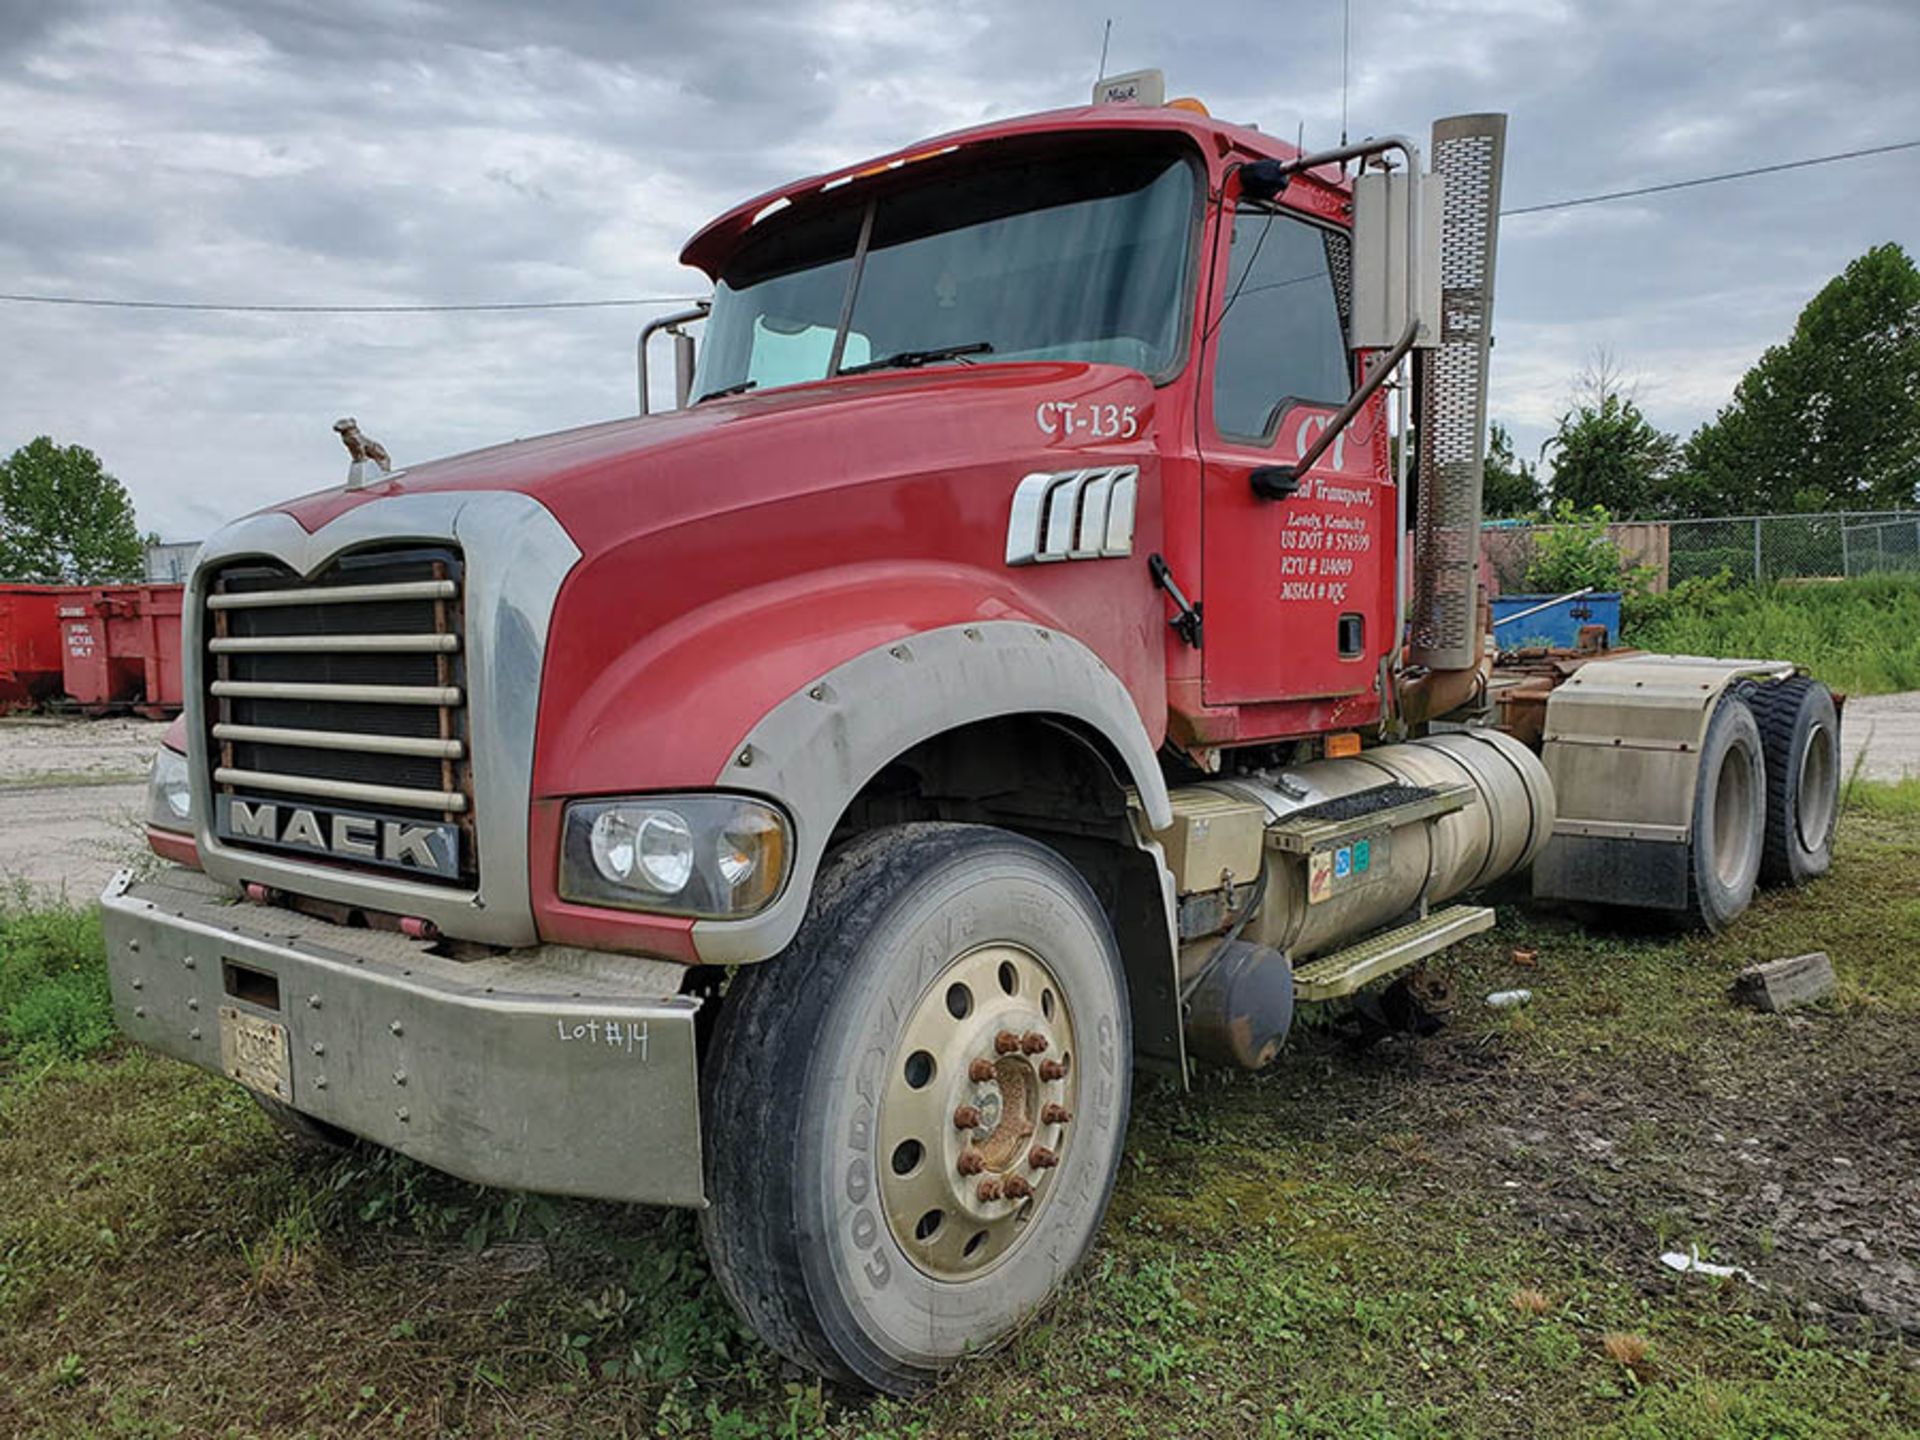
(335, 595)
(442, 800)
(342, 644)
(348, 686)
(343, 740)
(440, 695)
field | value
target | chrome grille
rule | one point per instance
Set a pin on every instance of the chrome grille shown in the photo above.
(347, 690)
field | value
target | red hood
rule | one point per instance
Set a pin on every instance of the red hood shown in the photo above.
(736, 452)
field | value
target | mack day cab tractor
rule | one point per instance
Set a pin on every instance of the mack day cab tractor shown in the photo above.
(810, 805)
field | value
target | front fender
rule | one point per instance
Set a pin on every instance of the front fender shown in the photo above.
(735, 678)
(817, 748)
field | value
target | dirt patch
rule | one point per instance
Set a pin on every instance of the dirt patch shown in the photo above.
(1790, 1152)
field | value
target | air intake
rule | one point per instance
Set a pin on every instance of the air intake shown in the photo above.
(1469, 150)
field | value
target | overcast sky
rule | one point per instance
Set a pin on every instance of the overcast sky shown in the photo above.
(401, 151)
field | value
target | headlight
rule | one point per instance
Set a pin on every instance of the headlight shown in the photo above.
(169, 799)
(715, 857)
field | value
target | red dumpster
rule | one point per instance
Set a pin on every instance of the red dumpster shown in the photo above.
(30, 662)
(122, 647)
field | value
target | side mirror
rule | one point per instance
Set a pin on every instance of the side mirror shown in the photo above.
(683, 352)
(1393, 281)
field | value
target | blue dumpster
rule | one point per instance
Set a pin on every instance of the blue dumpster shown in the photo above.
(1558, 624)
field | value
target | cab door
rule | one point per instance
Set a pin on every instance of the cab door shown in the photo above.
(1298, 590)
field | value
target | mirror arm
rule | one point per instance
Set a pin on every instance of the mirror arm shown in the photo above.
(653, 327)
(1276, 482)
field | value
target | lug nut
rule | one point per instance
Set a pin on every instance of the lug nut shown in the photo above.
(1051, 1114)
(980, 1071)
(1016, 1187)
(989, 1189)
(972, 1162)
(967, 1117)
(1041, 1158)
(1033, 1042)
(1053, 1069)
(1006, 1042)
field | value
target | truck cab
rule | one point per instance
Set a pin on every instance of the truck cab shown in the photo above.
(810, 804)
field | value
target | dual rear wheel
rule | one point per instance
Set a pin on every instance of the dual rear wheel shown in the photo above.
(1766, 797)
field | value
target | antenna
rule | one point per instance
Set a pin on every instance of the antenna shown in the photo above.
(1105, 36)
(1346, 47)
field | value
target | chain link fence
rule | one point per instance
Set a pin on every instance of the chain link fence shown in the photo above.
(1755, 548)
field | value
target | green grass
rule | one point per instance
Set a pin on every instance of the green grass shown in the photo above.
(1860, 636)
(53, 982)
(1345, 1245)
(67, 779)
(1885, 799)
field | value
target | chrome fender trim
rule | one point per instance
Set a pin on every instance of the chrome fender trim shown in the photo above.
(815, 750)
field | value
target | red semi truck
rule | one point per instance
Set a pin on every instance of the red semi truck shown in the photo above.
(813, 804)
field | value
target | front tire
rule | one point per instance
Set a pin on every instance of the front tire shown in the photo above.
(862, 1221)
(303, 1129)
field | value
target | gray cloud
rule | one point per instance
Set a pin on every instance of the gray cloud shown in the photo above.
(373, 152)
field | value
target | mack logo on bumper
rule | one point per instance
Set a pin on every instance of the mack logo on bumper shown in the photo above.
(422, 847)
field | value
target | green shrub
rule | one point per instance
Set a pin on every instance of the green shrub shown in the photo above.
(1576, 551)
(53, 981)
(1861, 636)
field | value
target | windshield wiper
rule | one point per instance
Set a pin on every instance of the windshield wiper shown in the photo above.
(910, 359)
(726, 390)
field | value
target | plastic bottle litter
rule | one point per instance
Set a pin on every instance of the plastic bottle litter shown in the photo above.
(1692, 1263)
(1507, 999)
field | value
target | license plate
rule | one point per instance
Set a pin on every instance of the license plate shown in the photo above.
(254, 1052)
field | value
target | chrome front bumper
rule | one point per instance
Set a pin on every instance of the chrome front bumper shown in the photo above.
(563, 1071)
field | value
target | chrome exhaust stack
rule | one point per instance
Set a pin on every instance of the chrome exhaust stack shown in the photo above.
(1451, 383)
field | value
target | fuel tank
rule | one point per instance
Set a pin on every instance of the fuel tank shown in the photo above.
(1407, 825)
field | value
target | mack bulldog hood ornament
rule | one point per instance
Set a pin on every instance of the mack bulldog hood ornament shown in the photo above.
(363, 449)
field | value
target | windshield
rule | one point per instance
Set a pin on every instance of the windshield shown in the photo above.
(1074, 256)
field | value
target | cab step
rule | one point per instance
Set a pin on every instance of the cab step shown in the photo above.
(1345, 971)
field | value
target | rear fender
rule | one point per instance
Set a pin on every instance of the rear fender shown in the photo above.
(1622, 748)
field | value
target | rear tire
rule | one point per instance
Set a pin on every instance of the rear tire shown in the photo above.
(843, 1224)
(1800, 735)
(1729, 817)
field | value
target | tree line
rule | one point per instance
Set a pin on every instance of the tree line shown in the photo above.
(1829, 419)
(65, 520)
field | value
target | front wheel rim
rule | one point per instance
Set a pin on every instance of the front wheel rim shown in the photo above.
(977, 1115)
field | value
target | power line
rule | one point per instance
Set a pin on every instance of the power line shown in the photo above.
(238, 309)
(513, 306)
(1711, 179)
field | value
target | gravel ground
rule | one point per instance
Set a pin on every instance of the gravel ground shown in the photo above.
(1888, 727)
(71, 795)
